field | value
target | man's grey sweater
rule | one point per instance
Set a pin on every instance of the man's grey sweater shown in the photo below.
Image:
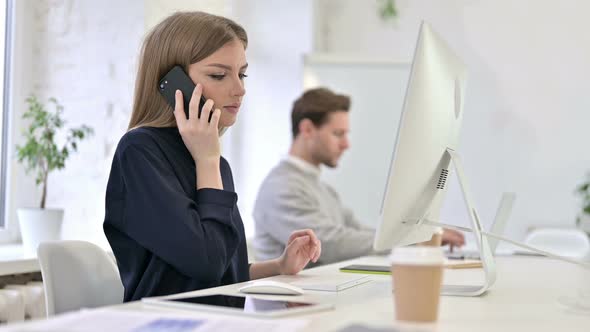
(293, 197)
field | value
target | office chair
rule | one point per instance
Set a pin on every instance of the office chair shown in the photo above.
(568, 242)
(250, 249)
(76, 275)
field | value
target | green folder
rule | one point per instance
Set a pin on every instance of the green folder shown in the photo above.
(367, 269)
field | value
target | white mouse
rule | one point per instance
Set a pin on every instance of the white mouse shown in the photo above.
(271, 287)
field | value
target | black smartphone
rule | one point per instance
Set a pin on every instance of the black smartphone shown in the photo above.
(177, 79)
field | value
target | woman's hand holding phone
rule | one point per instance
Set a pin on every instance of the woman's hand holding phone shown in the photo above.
(201, 137)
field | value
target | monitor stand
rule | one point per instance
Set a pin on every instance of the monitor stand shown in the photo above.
(481, 237)
(487, 257)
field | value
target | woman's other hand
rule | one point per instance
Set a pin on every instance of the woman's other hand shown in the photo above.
(303, 246)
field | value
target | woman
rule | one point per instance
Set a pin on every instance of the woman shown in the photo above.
(171, 214)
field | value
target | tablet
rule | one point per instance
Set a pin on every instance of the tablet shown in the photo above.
(244, 305)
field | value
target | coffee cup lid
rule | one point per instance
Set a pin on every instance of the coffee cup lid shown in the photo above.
(417, 255)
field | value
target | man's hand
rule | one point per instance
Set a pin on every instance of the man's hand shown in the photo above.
(452, 238)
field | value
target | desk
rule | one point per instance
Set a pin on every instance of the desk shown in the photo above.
(13, 260)
(524, 298)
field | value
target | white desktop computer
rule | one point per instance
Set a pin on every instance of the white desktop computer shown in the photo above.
(427, 139)
(424, 152)
(429, 125)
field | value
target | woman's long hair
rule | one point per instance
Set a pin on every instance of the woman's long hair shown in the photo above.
(181, 39)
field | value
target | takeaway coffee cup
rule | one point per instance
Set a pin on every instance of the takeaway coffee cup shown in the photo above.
(417, 276)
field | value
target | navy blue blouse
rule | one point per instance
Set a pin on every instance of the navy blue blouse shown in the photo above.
(167, 236)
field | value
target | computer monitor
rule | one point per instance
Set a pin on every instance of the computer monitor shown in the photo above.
(425, 148)
(429, 126)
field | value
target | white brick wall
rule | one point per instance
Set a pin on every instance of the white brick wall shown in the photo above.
(84, 53)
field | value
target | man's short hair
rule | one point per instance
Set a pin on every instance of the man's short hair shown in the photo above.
(316, 105)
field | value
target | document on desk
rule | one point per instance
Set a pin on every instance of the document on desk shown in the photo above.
(100, 320)
(463, 264)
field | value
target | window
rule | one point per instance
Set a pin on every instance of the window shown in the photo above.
(5, 48)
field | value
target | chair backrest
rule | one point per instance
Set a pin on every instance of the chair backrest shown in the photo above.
(568, 242)
(78, 274)
(250, 250)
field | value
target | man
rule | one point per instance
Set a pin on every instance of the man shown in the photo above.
(293, 197)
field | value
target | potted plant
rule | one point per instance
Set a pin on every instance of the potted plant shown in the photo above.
(41, 155)
(387, 9)
(583, 219)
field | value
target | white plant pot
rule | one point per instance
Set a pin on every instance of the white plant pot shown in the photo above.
(39, 225)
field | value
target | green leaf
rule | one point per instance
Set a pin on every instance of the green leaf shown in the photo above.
(387, 9)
